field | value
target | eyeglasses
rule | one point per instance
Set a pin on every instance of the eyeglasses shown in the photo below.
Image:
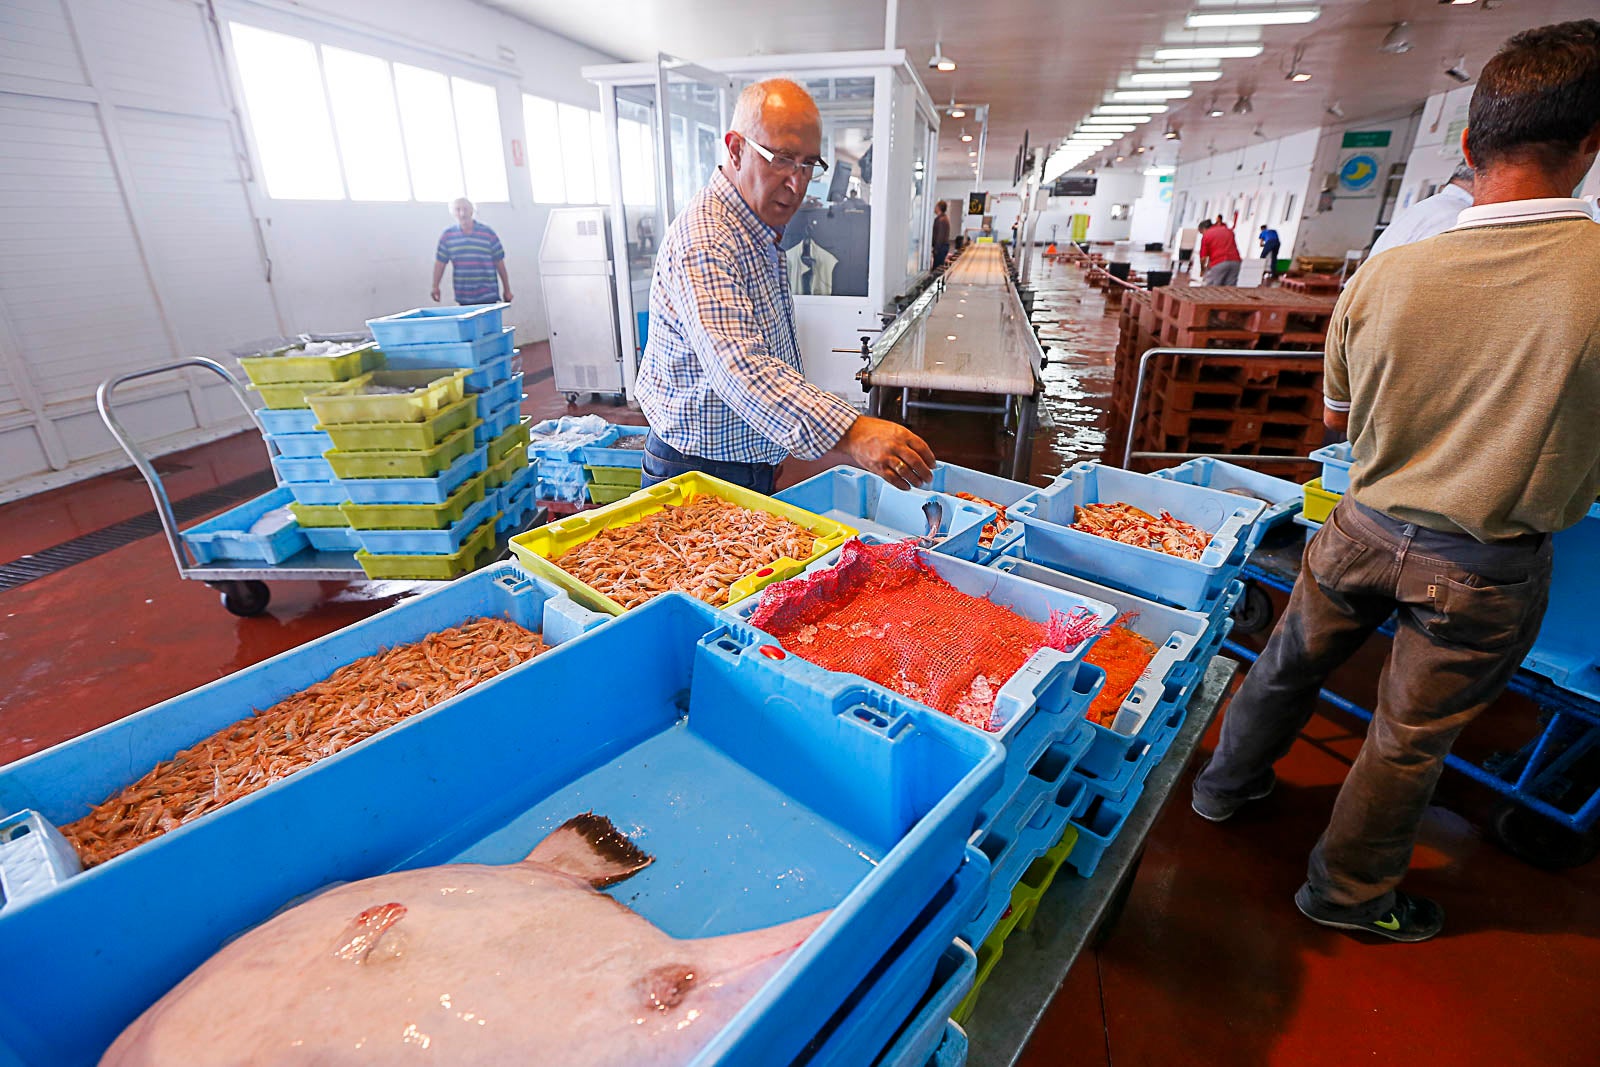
(788, 166)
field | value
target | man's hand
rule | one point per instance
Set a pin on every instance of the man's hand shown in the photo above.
(890, 450)
(435, 294)
(506, 298)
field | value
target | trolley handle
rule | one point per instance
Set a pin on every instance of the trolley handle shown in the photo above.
(105, 401)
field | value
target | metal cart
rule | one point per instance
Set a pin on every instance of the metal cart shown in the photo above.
(1550, 786)
(242, 583)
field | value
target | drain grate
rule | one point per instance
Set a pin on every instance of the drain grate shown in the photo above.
(81, 549)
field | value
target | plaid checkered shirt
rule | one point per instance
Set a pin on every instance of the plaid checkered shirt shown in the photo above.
(721, 376)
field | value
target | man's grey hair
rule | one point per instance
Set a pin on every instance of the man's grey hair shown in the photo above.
(1463, 173)
(749, 119)
(451, 207)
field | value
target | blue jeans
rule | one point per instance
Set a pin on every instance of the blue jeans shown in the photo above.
(662, 461)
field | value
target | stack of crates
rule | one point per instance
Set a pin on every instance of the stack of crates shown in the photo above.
(407, 479)
(559, 446)
(615, 469)
(472, 339)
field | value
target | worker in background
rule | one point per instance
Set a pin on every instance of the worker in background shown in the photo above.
(1431, 215)
(475, 257)
(721, 380)
(1269, 249)
(1475, 439)
(1219, 255)
(941, 233)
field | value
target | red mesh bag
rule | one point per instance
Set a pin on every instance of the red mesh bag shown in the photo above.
(882, 613)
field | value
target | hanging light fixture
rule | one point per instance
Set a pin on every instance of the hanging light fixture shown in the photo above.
(1215, 108)
(1242, 105)
(940, 61)
(1295, 74)
(1398, 40)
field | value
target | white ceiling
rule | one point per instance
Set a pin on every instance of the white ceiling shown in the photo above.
(1042, 65)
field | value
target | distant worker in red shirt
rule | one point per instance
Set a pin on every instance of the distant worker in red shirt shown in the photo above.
(1219, 255)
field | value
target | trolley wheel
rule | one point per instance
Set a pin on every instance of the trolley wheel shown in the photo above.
(245, 598)
(1253, 613)
(572, 398)
(1542, 842)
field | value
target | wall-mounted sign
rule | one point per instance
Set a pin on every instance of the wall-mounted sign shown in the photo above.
(1066, 186)
(1357, 173)
(1366, 139)
(977, 203)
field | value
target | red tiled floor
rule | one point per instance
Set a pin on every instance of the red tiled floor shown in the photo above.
(1211, 964)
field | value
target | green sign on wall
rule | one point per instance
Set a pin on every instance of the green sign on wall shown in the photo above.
(1366, 139)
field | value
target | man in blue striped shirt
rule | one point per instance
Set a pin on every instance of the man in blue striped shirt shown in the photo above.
(475, 257)
(721, 380)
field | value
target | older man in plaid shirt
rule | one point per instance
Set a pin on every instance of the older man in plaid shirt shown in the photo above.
(721, 380)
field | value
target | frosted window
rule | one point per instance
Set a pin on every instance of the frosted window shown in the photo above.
(638, 162)
(602, 162)
(288, 110)
(577, 155)
(544, 150)
(427, 118)
(482, 156)
(362, 94)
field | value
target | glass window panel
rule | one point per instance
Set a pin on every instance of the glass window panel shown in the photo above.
(828, 243)
(364, 114)
(544, 150)
(483, 156)
(602, 162)
(430, 131)
(283, 94)
(638, 162)
(577, 156)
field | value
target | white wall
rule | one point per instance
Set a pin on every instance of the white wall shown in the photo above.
(1115, 185)
(1351, 221)
(1264, 183)
(339, 263)
(1005, 204)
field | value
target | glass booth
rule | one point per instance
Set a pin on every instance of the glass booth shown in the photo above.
(861, 238)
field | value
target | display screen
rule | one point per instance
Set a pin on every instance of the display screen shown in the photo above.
(1069, 186)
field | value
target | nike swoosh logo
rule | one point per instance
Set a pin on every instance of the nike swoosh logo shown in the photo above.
(1391, 923)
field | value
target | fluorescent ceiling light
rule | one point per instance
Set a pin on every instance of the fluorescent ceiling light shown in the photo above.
(1280, 16)
(1174, 77)
(1152, 94)
(1131, 109)
(1214, 51)
(1115, 120)
(958, 113)
(1106, 129)
(1300, 76)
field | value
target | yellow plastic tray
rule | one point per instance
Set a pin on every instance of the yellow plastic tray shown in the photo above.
(473, 553)
(288, 369)
(1319, 502)
(285, 395)
(318, 515)
(540, 548)
(402, 462)
(503, 470)
(507, 443)
(397, 436)
(430, 391)
(414, 516)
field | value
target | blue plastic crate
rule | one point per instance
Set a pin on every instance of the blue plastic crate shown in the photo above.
(1181, 638)
(1098, 821)
(497, 396)
(464, 355)
(228, 536)
(489, 375)
(515, 510)
(300, 445)
(35, 859)
(437, 325)
(332, 538)
(428, 542)
(732, 768)
(886, 1000)
(949, 478)
(1567, 650)
(435, 490)
(1283, 498)
(287, 420)
(607, 456)
(930, 1038)
(571, 456)
(871, 505)
(498, 422)
(1044, 741)
(318, 494)
(292, 469)
(1336, 460)
(1048, 513)
(525, 479)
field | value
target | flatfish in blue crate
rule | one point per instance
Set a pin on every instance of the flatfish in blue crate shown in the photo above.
(468, 963)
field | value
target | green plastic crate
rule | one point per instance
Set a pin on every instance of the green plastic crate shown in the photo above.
(402, 463)
(502, 472)
(288, 394)
(318, 515)
(389, 436)
(279, 368)
(632, 477)
(415, 516)
(475, 551)
(600, 493)
(429, 392)
(502, 446)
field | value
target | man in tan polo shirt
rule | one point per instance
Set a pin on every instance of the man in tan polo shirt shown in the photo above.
(1466, 368)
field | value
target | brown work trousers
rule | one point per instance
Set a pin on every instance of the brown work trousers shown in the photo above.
(1466, 615)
